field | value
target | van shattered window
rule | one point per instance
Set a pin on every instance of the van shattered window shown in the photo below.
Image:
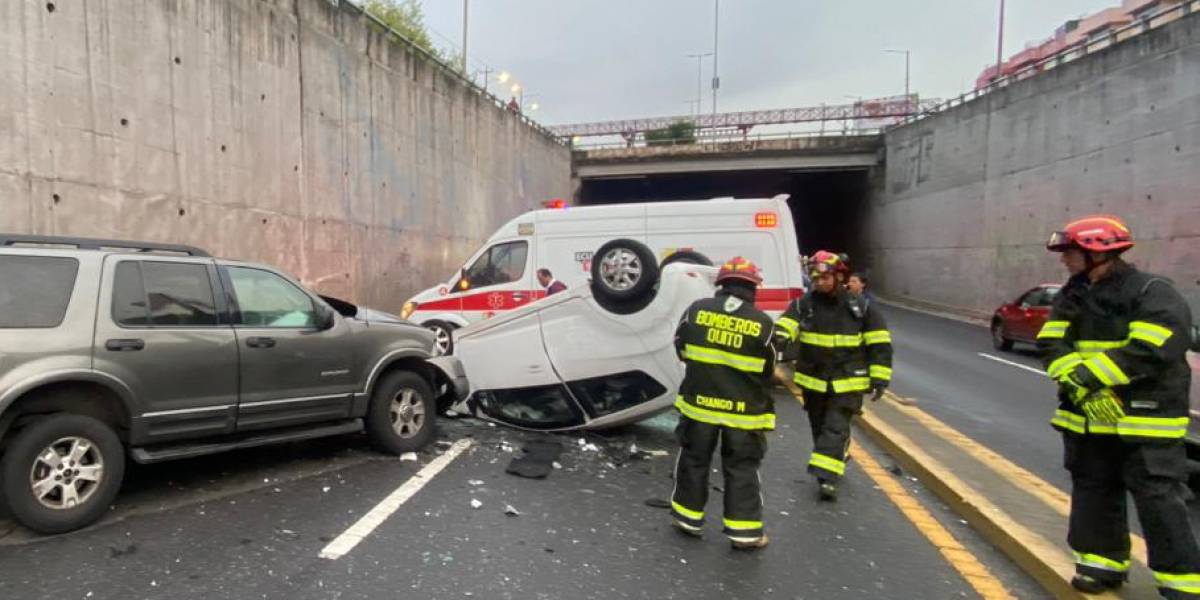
(35, 290)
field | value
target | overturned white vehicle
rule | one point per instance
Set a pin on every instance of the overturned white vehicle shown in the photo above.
(587, 358)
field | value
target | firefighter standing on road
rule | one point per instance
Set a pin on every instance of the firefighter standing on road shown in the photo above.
(1116, 343)
(727, 346)
(843, 351)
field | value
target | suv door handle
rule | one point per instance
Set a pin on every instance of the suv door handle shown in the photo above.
(125, 345)
(260, 342)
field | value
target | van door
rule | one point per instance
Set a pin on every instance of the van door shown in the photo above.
(498, 280)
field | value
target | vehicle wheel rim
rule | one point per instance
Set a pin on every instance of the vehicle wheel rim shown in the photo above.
(66, 473)
(620, 269)
(408, 413)
(442, 341)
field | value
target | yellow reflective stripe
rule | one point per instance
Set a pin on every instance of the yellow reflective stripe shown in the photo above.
(828, 340)
(828, 463)
(881, 372)
(851, 384)
(1069, 421)
(791, 326)
(1106, 370)
(878, 336)
(687, 512)
(1102, 428)
(1155, 427)
(1155, 335)
(1099, 562)
(1099, 345)
(743, 525)
(1053, 330)
(712, 356)
(810, 382)
(1064, 364)
(1183, 582)
(712, 417)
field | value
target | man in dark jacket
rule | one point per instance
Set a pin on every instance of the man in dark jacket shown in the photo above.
(1116, 342)
(726, 344)
(843, 350)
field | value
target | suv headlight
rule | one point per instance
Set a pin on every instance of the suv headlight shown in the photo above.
(408, 310)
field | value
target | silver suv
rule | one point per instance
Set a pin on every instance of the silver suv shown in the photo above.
(161, 352)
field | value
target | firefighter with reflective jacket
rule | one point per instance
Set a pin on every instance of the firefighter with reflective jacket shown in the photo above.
(843, 350)
(1115, 342)
(727, 346)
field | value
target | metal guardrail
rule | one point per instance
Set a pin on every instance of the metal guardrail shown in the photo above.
(731, 138)
(452, 71)
(1155, 20)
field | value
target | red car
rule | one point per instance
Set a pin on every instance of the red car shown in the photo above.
(1022, 319)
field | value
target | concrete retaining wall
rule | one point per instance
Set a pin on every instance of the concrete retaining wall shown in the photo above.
(284, 131)
(972, 194)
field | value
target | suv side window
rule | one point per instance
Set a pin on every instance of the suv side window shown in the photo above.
(35, 290)
(163, 294)
(502, 263)
(267, 300)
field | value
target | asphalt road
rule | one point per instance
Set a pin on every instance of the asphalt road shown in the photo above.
(1001, 399)
(253, 524)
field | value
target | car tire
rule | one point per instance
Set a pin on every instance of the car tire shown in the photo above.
(445, 337)
(401, 416)
(690, 257)
(623, 271)
(999, 340)
(94, 476)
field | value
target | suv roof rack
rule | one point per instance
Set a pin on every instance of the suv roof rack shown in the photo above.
(8, 240)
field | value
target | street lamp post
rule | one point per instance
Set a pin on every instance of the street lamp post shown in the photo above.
(466, 10)
(1000, 43)
(699, 74)
(907, 55)
(716, 80)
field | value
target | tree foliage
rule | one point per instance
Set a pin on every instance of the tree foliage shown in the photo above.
(408, 18)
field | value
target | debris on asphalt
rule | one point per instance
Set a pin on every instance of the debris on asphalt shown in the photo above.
(658, 503)
(475, 482)
(475, 503)
(510, 511)
(326, 489)
(409, 456)
(587, 491)
(895, 470)
(538, 460)
(557, 465)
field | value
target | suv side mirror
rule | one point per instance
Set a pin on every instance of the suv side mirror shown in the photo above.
(326, 318)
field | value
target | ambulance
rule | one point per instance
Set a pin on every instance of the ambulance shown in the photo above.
(502, 275)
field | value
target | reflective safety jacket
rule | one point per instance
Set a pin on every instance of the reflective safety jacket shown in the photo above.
(842, 344)
(727, 345)
(1130, 332)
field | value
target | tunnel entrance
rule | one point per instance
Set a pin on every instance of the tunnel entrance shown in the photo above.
(829, 207)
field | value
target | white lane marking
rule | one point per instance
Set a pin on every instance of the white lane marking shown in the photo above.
(1011, 363)
(357, 532)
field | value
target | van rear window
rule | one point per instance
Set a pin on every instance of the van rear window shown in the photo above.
(35, 290)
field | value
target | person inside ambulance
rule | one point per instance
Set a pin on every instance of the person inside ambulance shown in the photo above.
(842, 350)
(1116, 343)
(727, 346)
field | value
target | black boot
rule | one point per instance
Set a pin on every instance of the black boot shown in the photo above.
(1090, 585)
(828, 491)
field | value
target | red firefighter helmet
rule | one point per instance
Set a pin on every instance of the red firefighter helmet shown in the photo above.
(739, 268)
(824, 261)
(1096, 233)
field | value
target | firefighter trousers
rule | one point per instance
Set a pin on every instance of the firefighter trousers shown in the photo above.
(1103, 468)
(742, 452)
(829, 417)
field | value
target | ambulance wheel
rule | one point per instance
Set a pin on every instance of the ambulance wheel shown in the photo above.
(623, 271)
(690, 257)
(443, 332)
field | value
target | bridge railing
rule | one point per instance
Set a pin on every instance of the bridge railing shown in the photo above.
(728, 138)
(1164, 15)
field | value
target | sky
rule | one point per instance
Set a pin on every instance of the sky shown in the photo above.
(593, 60)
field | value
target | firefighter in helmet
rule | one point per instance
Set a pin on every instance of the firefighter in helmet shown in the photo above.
(843, 350)
(727, 346)
(1116, 342)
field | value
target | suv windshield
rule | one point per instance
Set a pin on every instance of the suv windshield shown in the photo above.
(40, 300)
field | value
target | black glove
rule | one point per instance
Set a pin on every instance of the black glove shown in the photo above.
(877, 388)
